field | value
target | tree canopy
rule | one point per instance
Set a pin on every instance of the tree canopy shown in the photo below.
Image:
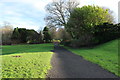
(46, 33)
(82, 20)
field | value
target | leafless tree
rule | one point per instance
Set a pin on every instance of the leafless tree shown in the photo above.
(6, 32)
(59, 12)
(63, 34)
(53, 32)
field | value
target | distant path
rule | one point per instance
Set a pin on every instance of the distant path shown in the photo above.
(68, 65)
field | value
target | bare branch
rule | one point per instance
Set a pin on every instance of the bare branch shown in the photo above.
(59, 12)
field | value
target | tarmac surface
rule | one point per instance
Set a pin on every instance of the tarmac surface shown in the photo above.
(66, 64)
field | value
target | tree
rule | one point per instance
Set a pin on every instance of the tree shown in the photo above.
(6, 33)
(59, 12)
(19, 35)
(62, 34)
(106, 32)
(16, 34)
(32, 36)
(53, 32)
(46, 33)
(82, 20)
(40, 37)
(23, 34)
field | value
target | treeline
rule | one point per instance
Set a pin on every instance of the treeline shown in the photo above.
(91, 25)
(87, 25)
(106, 32)
(23, 36)
(102, 33)
(30, 36)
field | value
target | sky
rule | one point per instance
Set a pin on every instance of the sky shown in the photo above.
(30, 14)
(119, 12)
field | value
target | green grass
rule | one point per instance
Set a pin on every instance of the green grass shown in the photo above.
(105, 55)
(26, 48)
(34, 61)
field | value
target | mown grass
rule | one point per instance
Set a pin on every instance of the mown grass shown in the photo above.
(26, 48)
(34, 61)
(105, 55)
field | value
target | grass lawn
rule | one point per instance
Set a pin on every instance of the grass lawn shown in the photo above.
(105, 55)
(26, 61)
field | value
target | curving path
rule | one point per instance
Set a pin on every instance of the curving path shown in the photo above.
(65, 64)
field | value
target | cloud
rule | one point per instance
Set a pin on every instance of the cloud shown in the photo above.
(119, 12)
(30, 13)
(24, 13)
(38, 4)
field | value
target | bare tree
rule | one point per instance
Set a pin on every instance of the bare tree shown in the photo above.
(63, 34)
(59, 12)
(53, 32)
(6, 32)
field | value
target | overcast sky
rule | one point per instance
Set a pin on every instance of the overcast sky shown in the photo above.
(30, 13)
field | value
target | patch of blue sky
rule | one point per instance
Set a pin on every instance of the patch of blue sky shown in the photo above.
(30, 13)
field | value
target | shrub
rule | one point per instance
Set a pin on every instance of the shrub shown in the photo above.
(106, 32)
(47, 37)
(22, 35)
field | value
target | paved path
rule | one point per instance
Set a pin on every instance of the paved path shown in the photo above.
(68, 65)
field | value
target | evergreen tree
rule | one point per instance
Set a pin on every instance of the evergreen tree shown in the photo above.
(16, 34)
(46, 33)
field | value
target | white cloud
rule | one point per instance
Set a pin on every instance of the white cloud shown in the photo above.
(19, 22)
(12, 13)
(24, 13)
(30, 13)
(39, 4)
(119, 12)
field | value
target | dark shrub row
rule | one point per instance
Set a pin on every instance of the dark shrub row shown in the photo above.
(102, 33)
(106, 32)
(22, 35)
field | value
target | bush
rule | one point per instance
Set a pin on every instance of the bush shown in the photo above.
(47, 36)
(33, 37)
(33, 42)
(19, 35)
(22, 35)
(66, 42)
(103, 33)
(106, 32)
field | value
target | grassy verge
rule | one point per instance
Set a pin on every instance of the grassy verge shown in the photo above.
(105, 55)
(26, 61)
(6, 50)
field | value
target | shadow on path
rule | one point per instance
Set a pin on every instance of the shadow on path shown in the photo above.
(65, 64)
